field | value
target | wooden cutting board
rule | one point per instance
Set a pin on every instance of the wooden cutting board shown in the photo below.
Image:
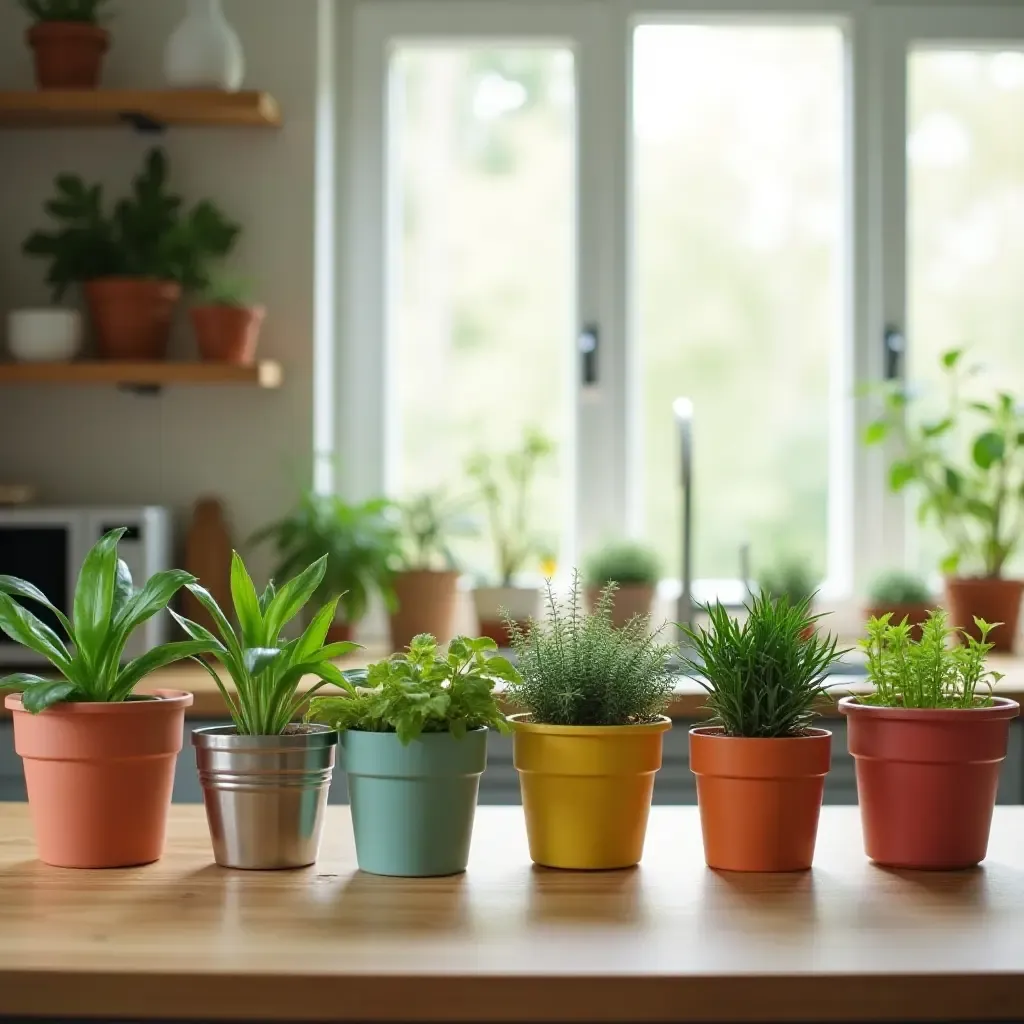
(208, 549)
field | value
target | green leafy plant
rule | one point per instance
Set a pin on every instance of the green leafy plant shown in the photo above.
(578, 669)
(85, 11)
(505, 483)
(623, 562)
(966, 459)
(791, 578)
(225, 290)
(423, 691)
(430, 523)
(106, 611)
(898, 587)
(265, 668)
(762, 677)
(147, 235)
(360, 542)
(932, 672)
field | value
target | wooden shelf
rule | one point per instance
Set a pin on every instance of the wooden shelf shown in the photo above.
(142, 376)
(145, 110)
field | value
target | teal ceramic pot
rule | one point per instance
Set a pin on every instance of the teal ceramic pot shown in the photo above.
(413, 807)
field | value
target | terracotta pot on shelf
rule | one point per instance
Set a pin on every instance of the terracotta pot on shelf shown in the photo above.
(521, 603)
(227, 334)
(131, 317)
(426, 601)
(994, 600)
(340, 633)
(927, 780)
(68, 54)
(915, 614)
(759, 799)
(629, 600)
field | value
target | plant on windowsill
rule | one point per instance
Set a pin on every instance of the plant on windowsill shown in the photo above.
(928, 743)
(99, 759)
(68, 42)
(791, 577)
(634, 568)
(759, 763)
(966, 460)
(901, 595)
(270, 825)
(226, 321)
(589, 743)
(414, 743)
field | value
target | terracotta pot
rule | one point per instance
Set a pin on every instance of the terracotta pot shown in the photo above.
(68, 54)
(915, 614)
(227, 334)
(426, 604)
(522, 604)
(99, 777)
(339, 633)
(927, 780)
(131, 317)
(630, 600)
(993, 600)
(759, 799)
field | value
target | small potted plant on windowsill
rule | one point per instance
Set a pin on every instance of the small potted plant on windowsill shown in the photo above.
(901, 595)
(791, 577)
(255, 821)
(68, 42)
(589, 744)
(414, 743)
(928, 744)
(505, 485)
(99, 758)
(634, 568)
(226, 322)
(759, 764)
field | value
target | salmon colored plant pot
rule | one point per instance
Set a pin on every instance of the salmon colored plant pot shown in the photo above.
(68, 54)
(915, 614)
(339, 633)
(628, 601)
(927, 780)
(131, 317)
(759, 799)
(426, 604)
(99, 777)
(993, 600)
(227, 334)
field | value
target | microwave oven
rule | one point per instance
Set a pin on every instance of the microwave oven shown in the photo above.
(47, 546)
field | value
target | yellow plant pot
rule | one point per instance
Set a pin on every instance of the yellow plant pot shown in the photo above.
(587, 790)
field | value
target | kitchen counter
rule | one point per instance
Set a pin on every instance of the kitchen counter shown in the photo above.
(669, 941)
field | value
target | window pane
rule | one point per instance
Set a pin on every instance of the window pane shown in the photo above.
(482, 274)
(738, 155)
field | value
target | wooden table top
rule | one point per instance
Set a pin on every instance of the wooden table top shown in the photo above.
(669, 941)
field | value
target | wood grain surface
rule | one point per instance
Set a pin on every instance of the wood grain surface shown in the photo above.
(669, 941)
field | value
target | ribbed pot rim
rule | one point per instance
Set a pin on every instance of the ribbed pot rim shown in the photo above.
(1002, 708)
(521, 723)
(167, 700)
(226, 737)
(715, 733)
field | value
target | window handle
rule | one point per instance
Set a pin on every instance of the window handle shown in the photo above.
(894, 349)
(588, 343)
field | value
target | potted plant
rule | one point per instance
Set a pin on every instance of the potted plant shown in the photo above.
(791, 578)
(99, 759)
(426, 578)
(226, 323)
(360, 542)
(414, 743)
(760, 765)
(901, 595)
(966, 460)
(928, 744)
(265, 778)
(589, 744)
(634, 568)
(67, 41)
(133, 262)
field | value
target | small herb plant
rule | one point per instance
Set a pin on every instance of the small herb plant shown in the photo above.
(578, 669)
(762, 677)
(225, 290)
(623, 562)
(430, 523)
(419, 690)
(266, 669)
(107, 610)
(791, 578)
(898, 587)
(931, 672)
(88, 12)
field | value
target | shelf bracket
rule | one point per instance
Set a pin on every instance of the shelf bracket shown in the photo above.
(143, 123)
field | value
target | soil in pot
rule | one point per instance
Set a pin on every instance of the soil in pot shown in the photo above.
(227, 334)
(587, 790)
(99, 777)
(426, 604)
(759, 799)
(629, 601)
(927, 780)
(131, 317)
(993, 600)
(68, 54)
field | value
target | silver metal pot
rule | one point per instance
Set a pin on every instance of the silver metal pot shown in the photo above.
(265, 796)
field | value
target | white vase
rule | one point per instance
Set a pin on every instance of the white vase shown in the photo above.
(204, 51)
(44, 335)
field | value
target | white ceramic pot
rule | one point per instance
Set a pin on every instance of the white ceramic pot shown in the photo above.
(44, 335)
(204, 51)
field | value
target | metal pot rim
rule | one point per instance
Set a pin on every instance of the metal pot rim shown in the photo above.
(226, 737)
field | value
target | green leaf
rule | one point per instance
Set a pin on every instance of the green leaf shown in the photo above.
(951, 358)
(938, 428)
(949, 565)
(988, 449)
(26, 629)
(954, 481)
(22, 588)
(166, 654)
(876, 432)
(21, 681)
(258, 659)
(206, 599)
(292, 597)
(45, 695)
(900, 474)
(124, 588)
(94, 597)
(315, 633)
(501, 668)
(247, 604)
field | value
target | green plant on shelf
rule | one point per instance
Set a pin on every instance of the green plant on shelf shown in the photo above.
(265, 668)
(430, 523)
(624, 562)
(106, 610)
(898, 587)
(931, 672)
(223, 289)
(88, 12)
(421, 690)
(764, 676)
(790, 577)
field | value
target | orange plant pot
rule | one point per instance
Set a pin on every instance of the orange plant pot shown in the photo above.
(629, 601)
(68, 54)
(99, 777)
(759, 799)
(990, 599)
(227, 334)
(927, 780)
(131, 317)
(426, 604)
